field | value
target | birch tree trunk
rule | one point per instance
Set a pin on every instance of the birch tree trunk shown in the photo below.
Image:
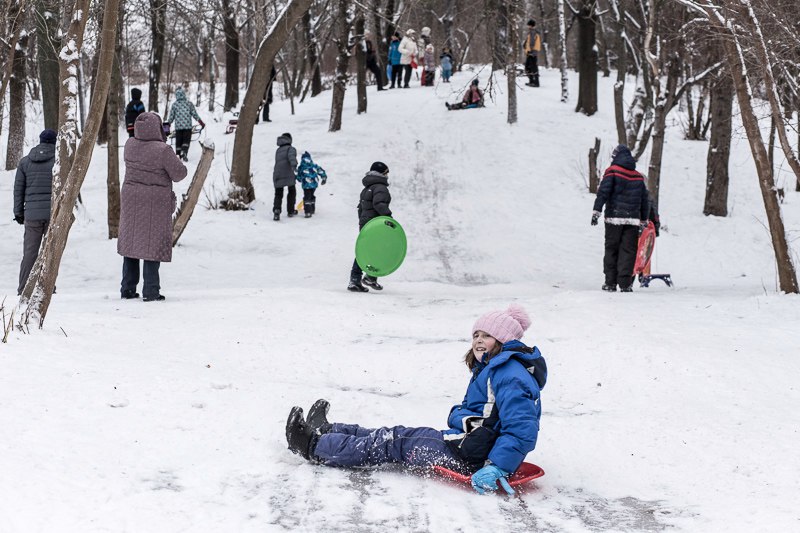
(242, 192)
(343, 59)
(39, 290)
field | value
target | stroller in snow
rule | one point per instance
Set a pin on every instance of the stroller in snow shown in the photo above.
(647, 243)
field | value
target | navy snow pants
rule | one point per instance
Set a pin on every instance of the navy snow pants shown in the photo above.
(350, 445)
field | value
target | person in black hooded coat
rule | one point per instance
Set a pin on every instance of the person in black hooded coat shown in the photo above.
(374, 202)
(134, 108)
(627, 208)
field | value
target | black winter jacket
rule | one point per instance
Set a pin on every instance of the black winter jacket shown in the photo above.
(375, 198)
(132, 110)
(33, 184)
(623, 192)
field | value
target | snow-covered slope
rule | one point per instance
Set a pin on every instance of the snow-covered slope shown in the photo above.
(664, 408)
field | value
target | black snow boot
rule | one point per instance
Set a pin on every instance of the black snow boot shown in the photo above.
(302, 439)
(356, 286)
(609, 288)
(629, 288)
(372, 282)
(317, 418)
(276, 214)
(128, 295)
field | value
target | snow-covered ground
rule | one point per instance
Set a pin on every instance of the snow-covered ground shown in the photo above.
(665, 409)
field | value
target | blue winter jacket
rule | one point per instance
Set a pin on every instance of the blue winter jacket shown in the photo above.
(499, 417)
(309, 173)
(394, 53)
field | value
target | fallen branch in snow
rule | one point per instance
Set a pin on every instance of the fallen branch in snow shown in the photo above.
(191, 196)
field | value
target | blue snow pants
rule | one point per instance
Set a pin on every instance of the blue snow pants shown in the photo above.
(351, 445)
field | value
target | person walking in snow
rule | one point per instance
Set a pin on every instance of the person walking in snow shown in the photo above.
(134, 108)
(182, 113)
(265, 103)
(627, 208)
(472, 98)
(310, 175)
(446, 62)
(394, 61)
(33, 187)
(283, 175)
(372, 64)
(146, 206)
(373, 202)
(408, 53)
(533, 44)
(429, 63)
(489, 434)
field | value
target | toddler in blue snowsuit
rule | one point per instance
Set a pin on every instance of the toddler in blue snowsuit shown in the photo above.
(310, 174)
(489, 433)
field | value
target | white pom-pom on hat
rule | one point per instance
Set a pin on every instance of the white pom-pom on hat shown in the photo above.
(506, 325)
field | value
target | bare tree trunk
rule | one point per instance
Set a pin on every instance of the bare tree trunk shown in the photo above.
(594, 174)
(719, 147)
(186, 209)
(562, 39)
(16, 16)
(47, 42)
(231, 55)
(340, 82)
(39, 289)
(16, 103)
(112, 113)
(212, 69)
(311, 52)
(158, 25)
(587, 59)
(500, 45)
(665, 101)
(361, 65)
(447, 22)
(242, 192)
(511, 58)
(622, 71)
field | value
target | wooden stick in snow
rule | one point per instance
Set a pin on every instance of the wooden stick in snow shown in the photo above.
(191, 196)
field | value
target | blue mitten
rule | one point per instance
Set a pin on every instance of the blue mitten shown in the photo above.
(486, 479)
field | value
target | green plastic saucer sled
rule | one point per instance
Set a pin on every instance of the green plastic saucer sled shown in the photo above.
(381, 247)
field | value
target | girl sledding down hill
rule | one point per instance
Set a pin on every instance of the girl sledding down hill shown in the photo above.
(489, 433)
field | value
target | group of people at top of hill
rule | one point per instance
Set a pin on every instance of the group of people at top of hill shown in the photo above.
(406, 53)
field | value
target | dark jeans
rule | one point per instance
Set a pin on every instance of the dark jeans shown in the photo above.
(620, 258)
(130, 277)
(376, 71)
(291, 197)
(35, 230)
(309, 201)
(397, 75)
(532, 69)
(182, 140)
(407, 76)
(350, 445)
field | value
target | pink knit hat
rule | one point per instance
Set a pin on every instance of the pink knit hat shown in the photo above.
(504, 325)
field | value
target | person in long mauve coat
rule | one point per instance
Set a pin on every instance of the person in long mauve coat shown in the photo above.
(146, 206)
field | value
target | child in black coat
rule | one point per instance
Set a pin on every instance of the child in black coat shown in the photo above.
(374, 202)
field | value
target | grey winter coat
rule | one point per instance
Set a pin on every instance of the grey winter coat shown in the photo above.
(147, 201)
(375, 198)
(33, 184)
(182, 112)
(285, 163)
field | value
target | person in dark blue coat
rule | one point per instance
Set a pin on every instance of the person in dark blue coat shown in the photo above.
(627, 207)
(489, 433)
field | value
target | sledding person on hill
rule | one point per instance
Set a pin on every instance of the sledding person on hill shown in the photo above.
(373, 202)
(472, 98)
(627, 207)
(533, 44)
(283, 175)
(489, 433)
(146, 206)
(310, 174)
(33, 187)
(134, 108)
(181, 114)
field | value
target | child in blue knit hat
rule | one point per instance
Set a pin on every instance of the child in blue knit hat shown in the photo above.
(310, 175)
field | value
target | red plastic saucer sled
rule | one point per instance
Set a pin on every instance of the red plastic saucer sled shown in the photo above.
(526, 473)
